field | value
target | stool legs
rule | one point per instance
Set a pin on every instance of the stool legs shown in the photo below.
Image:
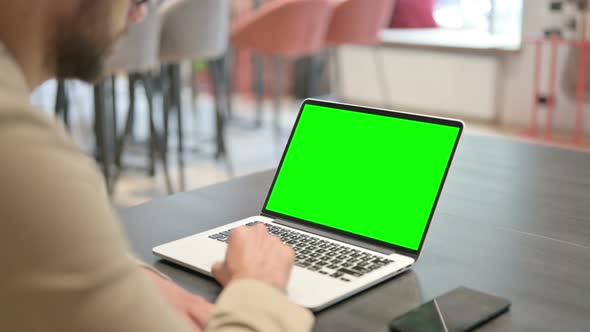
(62, 107)
(149, 92)
(155, 144)
(258, 61)
(315, 69)
(227, 62)
(100, 130)
(166, 103)
(277, 63)
(195, 91)
(128, 123)
(175, 89)
(113, 96)
(221, 93)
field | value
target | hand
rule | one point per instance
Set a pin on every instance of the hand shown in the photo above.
(194, 309)
(253, 253)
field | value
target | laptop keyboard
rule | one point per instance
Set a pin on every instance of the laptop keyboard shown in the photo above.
(321, 256)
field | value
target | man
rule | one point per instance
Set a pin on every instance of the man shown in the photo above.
(65, 263)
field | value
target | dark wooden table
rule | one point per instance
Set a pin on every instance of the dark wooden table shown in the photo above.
(514, 220)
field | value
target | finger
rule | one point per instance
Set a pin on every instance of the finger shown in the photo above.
(237, 234)
(261, 229)
(276, 242)
(287, 257)
(219, 272)
(269, 244)
(281, 251)
(289, 254)
(288, 261)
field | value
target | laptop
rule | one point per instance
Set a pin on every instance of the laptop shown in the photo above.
(354, 195)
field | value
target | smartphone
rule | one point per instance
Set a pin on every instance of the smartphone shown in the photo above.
(460, 310)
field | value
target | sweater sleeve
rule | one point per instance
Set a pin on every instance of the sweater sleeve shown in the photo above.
(248, 305)
(65, 261)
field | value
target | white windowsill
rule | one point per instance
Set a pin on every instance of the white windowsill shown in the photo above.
(446, 39)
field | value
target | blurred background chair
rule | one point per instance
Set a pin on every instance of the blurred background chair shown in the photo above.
(283, 29)
(359, 22)
(137, 56)
(104, 128)
(62, 105)
(195, 30)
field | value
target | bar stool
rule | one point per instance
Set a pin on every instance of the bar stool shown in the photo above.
(105, 126)
(195, 30)
(101, 123)
(138, 56)
(359, 22)
(62, 105)
(283, 29)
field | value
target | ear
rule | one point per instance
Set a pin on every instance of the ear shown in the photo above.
(137, 13)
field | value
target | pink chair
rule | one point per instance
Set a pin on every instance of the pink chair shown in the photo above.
(283, 29)
(413, 14)
(359, 22)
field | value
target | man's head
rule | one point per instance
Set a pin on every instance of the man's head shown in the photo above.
(87, 33)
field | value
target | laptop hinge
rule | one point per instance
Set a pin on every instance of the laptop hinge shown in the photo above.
(337, 237)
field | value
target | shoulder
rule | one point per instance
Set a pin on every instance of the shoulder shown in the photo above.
(33, 145)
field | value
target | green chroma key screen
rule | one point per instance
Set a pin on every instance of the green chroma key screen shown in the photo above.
(371, 175)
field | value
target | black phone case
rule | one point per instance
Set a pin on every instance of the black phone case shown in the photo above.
(470, 326)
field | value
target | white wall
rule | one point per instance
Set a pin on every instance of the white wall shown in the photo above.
(419, 80)
(471, 85)
(518, 83)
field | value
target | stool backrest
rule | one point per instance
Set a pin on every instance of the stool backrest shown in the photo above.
(194, 29)
(139, 49)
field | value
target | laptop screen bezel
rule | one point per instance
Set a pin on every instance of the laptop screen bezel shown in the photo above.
(375, 111)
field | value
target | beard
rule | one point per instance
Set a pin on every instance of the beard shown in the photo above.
(84, 42)
(79, 60)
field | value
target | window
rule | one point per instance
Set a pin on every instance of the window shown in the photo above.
(498, 17)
